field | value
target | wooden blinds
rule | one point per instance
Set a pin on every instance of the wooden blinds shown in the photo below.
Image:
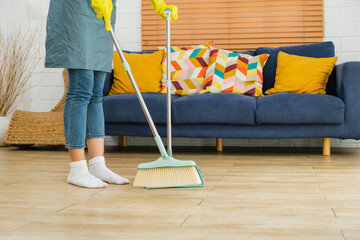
(236, 24)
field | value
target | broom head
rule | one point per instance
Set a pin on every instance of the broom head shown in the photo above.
(168, 172)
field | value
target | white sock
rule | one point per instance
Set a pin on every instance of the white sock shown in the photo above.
(99, 170)
(79, 175)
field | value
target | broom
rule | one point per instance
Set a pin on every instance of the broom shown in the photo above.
(166, 171)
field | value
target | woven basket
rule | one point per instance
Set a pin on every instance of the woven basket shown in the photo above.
(40, 128)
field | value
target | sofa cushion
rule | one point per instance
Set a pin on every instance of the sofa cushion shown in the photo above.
(126, 108)
(298, 74)
(221, 108)
(234, 73)
(299, 108)
(146, 69)
(188, 66)
(318, 50)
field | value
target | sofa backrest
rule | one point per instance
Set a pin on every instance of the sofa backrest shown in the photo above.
(322, 49)
(318, 50)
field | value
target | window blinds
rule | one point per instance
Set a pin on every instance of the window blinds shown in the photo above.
(236, 24)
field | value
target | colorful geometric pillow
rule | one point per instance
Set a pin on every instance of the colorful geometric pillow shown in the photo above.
(234, 73)
(188, 68)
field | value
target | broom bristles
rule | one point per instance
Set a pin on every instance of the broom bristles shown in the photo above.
(167, 177)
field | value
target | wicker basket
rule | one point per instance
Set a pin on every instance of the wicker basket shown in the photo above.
(40, 128)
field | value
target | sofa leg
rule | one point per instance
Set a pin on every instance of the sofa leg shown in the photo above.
(124, 141)
(326, 146)
(219, 144)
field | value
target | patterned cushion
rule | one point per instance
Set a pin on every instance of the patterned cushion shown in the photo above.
(234, 73)
(188, 68)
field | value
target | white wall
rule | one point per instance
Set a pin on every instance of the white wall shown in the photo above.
(12, 13)
(341, 24)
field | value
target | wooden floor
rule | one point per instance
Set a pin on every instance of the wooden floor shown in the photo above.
(251, 194)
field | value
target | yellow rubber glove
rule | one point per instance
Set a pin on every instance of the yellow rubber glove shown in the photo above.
(103, 9)
(160, 6)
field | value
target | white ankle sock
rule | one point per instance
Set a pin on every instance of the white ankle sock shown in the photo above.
(79, 175)
(99, 170)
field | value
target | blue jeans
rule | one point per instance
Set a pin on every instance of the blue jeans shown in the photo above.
(83, 111)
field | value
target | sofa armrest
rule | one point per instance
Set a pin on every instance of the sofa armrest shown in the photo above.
(348, 89)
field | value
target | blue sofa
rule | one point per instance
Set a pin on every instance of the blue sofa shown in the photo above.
(227, 115)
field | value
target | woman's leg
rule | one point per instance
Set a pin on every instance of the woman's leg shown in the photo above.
(95, 147)
(75, 113)
(76, 154)
(95, 134)
(95, 124)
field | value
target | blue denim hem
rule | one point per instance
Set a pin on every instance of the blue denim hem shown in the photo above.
(75, 146)
(94, 136)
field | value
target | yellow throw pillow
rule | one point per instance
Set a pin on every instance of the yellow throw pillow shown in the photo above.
(146, 69)
(297, 74)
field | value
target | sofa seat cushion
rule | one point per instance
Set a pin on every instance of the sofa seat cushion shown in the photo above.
(220, 108)
(299, 108)
(126, 108)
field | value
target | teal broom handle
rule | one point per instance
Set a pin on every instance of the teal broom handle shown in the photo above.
(168, 82)
(139, 96)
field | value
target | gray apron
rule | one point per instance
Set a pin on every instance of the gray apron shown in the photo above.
(76, 38)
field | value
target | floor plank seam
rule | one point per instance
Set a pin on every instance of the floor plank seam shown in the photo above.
(18, 228)
(342, 233)
(201, 202)
(320, 185)
(65, 207)
(184, 220)
(96, 193)
(324, 195)
(334, 212)
(216, 183)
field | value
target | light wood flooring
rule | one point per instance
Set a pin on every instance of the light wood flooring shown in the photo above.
(249, 194)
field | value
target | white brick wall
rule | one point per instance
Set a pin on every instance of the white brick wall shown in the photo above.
(341, 25)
